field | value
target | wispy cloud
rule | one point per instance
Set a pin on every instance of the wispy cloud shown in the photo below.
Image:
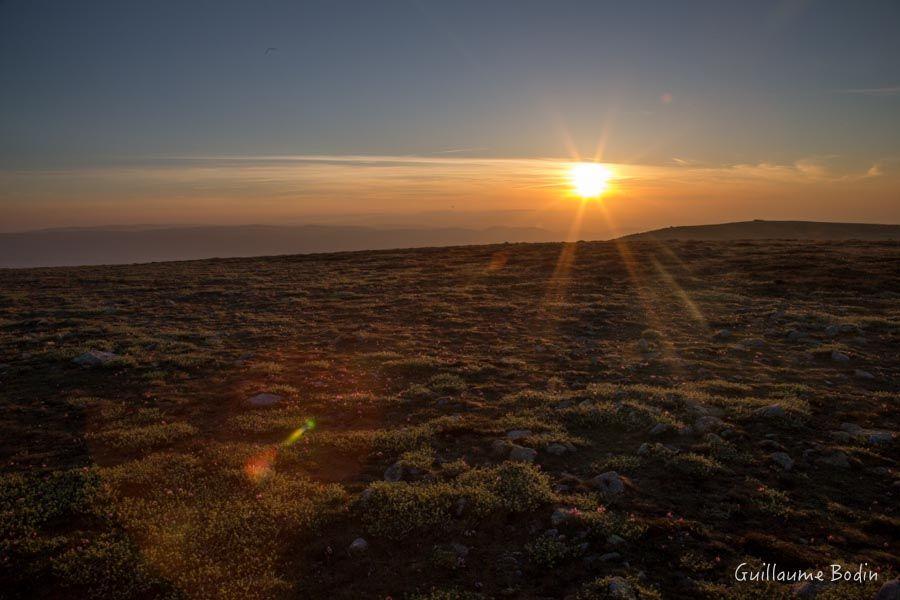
(890, 90)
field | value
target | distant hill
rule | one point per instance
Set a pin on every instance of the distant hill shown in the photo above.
(762, 230)
(137, 244)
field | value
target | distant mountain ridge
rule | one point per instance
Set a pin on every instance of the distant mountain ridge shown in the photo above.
(771, 230)
(126, 245)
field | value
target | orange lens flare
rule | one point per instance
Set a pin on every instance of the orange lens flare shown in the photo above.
(261, 465)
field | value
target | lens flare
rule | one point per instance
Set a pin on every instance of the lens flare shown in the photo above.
(261, 465)
(298, 433)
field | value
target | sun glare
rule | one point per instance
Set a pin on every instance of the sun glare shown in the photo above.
(589, 180)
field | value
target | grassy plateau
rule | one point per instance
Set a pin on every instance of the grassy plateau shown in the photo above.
(627, 419)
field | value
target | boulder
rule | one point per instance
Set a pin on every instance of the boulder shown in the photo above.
(522, 454)
(556, 449)
(608, 483)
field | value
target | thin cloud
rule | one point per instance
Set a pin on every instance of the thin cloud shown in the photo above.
(890, 90)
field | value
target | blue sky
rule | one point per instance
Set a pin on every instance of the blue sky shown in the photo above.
(105, 84)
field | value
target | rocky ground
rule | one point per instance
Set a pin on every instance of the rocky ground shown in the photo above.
(598, 420)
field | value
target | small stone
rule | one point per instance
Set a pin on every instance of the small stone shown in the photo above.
(608, 483)
(264, 399)
(782, 460)
(753, 343)
(556, 449)
(795, 335)
(359, 546)
(644, 449)
(860, 374)
(839, 357)
(722, 334)
(522, 454)
(94, 358)
(615, 540)
(518, 434)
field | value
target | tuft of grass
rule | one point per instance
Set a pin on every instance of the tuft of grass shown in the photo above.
(395, 510)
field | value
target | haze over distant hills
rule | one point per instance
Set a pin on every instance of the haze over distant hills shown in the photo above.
(763, 230)
(125, 244)
(135, 244)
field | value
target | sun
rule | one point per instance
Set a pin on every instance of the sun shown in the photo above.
(589, 180)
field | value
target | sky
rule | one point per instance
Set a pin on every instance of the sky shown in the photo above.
(225, 112)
